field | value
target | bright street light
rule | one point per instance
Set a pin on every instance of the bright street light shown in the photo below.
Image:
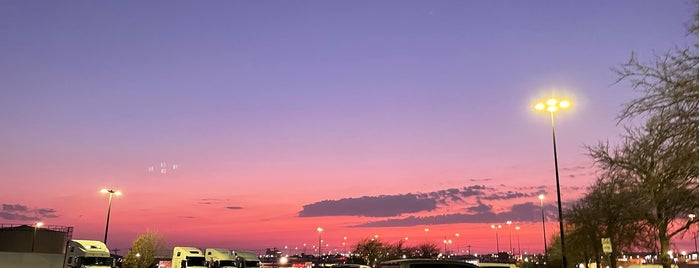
(109, 209)
(552, 105)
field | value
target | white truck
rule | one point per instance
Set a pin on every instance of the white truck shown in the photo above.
(188, 257)
(247, 259)
(87, 253)
(220, 258)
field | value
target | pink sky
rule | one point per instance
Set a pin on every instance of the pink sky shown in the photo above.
(270, 108)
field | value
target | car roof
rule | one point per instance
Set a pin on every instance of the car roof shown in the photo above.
(428, 261)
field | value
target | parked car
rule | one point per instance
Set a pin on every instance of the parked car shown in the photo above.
(426, 263)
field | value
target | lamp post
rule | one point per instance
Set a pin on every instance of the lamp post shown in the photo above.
(109, 209)
(509, 232)
(497, 239)
(446, 251)
(552, 105)
(519, 249)
(36, 226)
(543, 226)
(320, 252)
(694, 234)
(458, 251)
(344, 243)
(427, 231)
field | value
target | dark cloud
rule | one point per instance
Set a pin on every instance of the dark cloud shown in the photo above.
(391, 205)
(14, 207)
(523, 212)
(234, 207)
(47, 212)
(24, 213)
(370, 206)
(17, 216)
(480, 208)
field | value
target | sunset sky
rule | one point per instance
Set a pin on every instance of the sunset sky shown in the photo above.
(248, 124)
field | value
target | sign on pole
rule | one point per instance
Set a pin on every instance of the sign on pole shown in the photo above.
(607, 245)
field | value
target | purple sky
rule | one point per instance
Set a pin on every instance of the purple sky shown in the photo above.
(285, 115)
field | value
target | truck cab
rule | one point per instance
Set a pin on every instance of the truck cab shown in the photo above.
(220, 258)
(183, 257)
(247, 259)
(87, 253)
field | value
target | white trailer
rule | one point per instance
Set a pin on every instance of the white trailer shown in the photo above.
(87, 253)
(183, 257)
(220, 258)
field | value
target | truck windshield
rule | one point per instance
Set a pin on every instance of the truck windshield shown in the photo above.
(196, 261)
(228, 263)
(105, 261)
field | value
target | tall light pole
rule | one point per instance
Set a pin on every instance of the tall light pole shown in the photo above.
(320, 242)
(694, 234)
(36, 226)
(519, 249)
(509, 232)
(109, 209)
(344, 243)
(427, 231)
(457, 244)
(543, 226)
(552, 105)
(497, 239)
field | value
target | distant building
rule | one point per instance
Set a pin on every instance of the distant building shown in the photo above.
(27, 238)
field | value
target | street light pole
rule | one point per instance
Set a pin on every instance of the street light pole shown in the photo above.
(497, 239)
(552, 105)
(519, 249)
(109, 209)
(543, 226)
(509, 232)
(320, 252)
(458, 251)
(37, 225)
(694, 234)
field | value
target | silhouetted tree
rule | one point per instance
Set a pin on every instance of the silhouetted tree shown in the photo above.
(660, 158)
(143, 250)
(607, 211)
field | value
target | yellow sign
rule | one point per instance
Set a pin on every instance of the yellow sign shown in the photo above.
(607, 245)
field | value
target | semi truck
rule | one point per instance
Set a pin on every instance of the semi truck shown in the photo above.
(247, 259)
(188, 257)
(220, 258)
(87, 253)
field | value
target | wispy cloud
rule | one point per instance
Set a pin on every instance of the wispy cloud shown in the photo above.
(218, 202)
